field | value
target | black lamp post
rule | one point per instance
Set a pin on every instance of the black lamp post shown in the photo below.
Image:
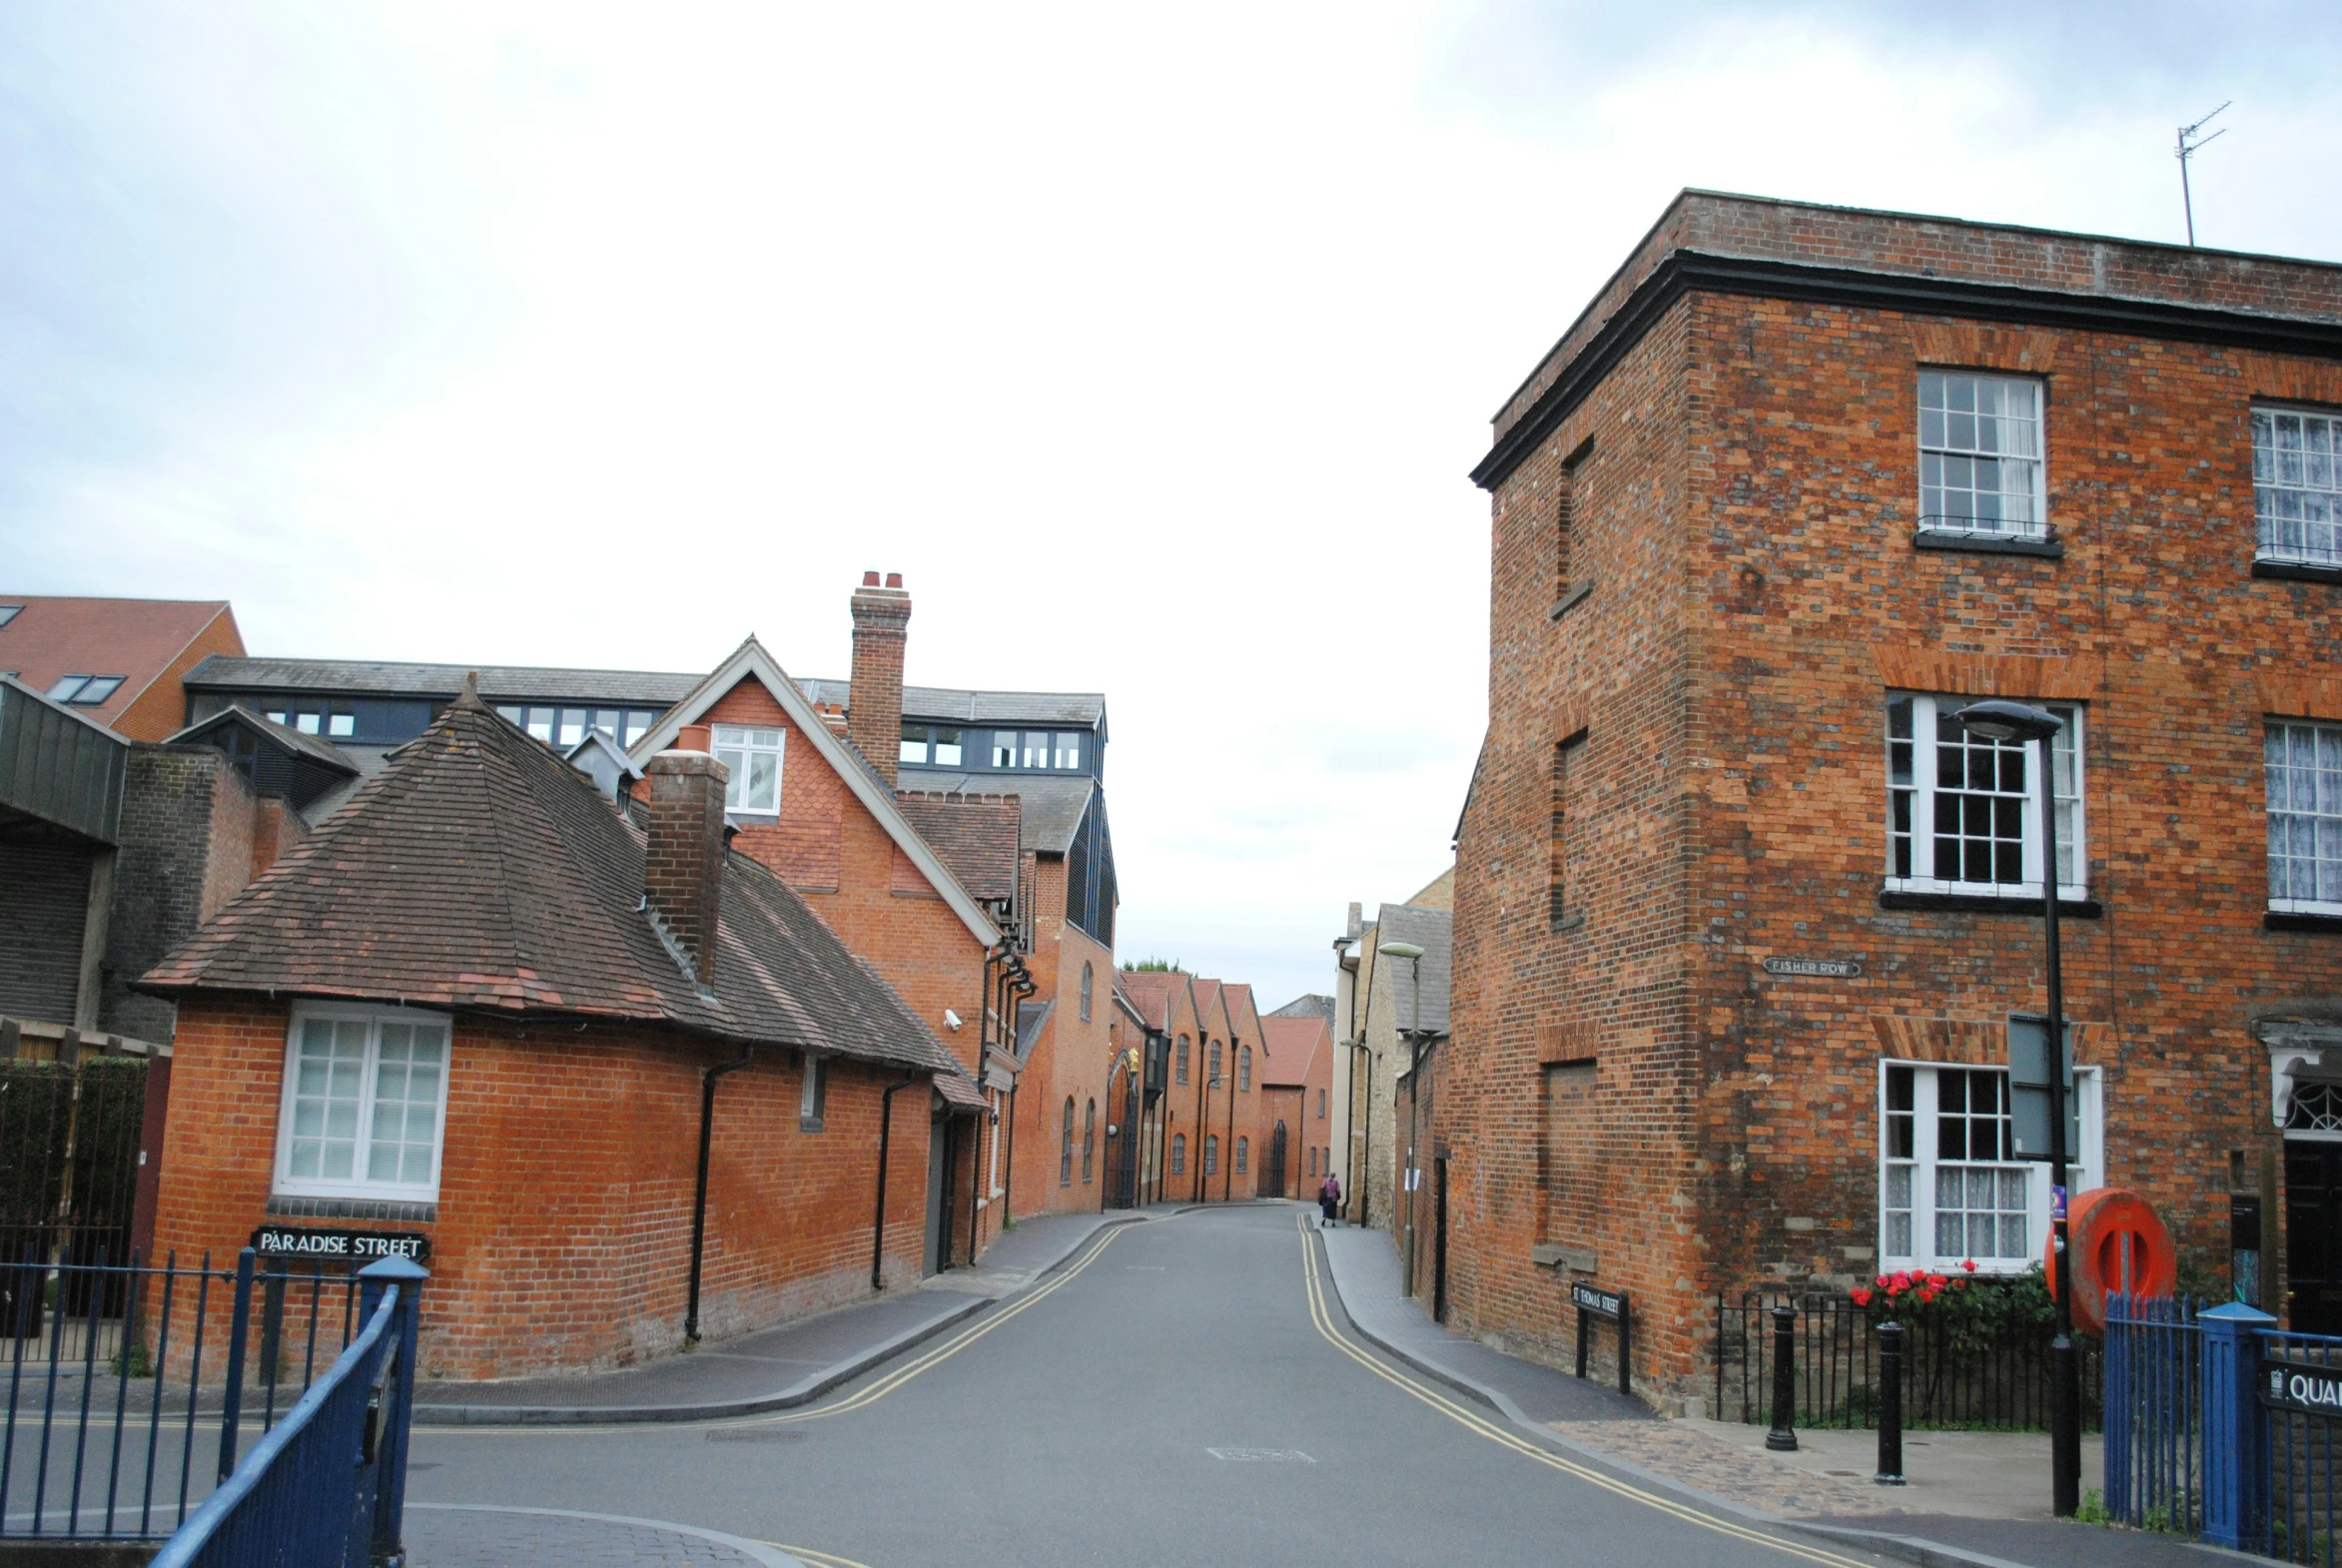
(2016, 721)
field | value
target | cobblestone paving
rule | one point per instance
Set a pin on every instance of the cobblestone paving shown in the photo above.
(468, 1539)
(1682, 1453)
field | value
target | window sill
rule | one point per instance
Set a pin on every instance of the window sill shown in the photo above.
(1570, 601)
(289, 1205)
(1986, 903)
(809, 1124)
(1569, 923)
(2291, 919)
(2296, 571)
(1988, 543)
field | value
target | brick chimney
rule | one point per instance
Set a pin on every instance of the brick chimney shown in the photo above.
(882, 621)
(684, 874)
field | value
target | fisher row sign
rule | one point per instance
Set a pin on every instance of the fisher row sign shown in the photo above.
(1815, 968)
(340, 1246)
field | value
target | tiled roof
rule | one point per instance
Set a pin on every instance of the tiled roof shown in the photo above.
(1053, 806)
(955, 705)
(480, 871)
(135, 638)
(1293, 1044)
(974, 835)
(1151, 991)
(497, 682)
(1307, 1005)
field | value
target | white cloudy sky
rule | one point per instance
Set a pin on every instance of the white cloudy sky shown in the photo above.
(1152, 344)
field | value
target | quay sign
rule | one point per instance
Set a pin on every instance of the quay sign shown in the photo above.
(340, 1246)
(2291, 1385)
(1815, 968)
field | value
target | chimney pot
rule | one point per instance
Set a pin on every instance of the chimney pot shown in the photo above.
(869, 580)
(894, 579)
(683, 871)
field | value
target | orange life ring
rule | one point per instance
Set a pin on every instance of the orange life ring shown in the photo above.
(2105, 1225)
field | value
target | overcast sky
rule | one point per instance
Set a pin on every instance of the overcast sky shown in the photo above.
(1150, 345)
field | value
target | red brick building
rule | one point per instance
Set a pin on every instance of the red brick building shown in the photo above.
(1296, 1093)
(1740, 922)
(481, 1005)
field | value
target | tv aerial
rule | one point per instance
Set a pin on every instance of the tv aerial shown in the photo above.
(2191, 141)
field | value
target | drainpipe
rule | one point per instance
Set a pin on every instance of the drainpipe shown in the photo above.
(1009, 1161)
(1202, 1123)
(878, 1226)
(707, 1126)
(1227, 1150)
(1366, 1160)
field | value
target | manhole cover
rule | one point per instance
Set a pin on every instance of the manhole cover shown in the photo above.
(755, 1435)
(1262, 1455)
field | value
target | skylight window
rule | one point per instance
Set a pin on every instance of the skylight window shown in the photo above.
(9, 612)
(85, 691)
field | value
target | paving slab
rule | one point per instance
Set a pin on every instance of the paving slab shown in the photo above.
(444, 1535)
(1365, 1269)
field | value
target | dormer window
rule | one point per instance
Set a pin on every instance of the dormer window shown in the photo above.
(752, 756)
(1037, 750)
(933, 745)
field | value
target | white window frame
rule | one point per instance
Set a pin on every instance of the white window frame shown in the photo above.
(2074, 831)
(740, 740)
(1946, 449)
(2324, 816)
(812, 1095)
(2316, 479)
(289, 1185)
(2084, 1172)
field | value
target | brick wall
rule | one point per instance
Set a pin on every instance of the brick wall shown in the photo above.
(563, 1219)
(191, 839)
(1744, 515)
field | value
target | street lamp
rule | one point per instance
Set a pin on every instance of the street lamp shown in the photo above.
(2018, 721)
(1413, 954)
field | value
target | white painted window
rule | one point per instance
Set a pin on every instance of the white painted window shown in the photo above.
(2297, 485)
(1964, 812)
(1950, 1191)
(752, 756)
(1981, 468)
(2305, 818)
(365, 1103)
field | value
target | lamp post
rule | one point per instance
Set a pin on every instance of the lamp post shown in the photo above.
(2018, 721)
(1413, 954)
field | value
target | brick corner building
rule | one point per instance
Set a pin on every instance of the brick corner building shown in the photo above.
(1740, 924)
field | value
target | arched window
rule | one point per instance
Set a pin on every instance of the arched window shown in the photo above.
(1212, 1153)
(1245, 1070)
(1184, 1059)
(1179, 1151)
(1216, 1062)
(1085, 979)
(1065, 1148)
(1089, 1135)
(1313, 1151)
(1244, 1146)
(1321, 1099)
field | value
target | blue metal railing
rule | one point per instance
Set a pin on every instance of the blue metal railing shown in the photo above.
(2154, 1413)
(328, 1483)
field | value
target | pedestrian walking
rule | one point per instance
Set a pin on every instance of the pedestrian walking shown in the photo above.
(1328, 1201)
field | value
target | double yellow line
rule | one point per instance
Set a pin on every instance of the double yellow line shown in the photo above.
(1464, 1415)
(943, 1352)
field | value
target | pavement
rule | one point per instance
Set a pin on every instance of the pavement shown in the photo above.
(774, 1368)
(1973, 1498)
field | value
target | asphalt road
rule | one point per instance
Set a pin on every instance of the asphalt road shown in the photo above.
(1184, 1391)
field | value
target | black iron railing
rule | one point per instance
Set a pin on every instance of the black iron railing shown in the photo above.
(2304, 1461)
(1969, 1372)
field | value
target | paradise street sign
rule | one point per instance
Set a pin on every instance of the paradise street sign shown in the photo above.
(341, 1246)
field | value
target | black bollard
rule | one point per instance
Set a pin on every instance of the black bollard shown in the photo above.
(1890, 1405)
(1782, 1438)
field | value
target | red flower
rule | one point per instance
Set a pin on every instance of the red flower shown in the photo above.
(1928, 1296)
(1938, 1281)
(1861, 1296)
(1900, 1281)
(1960, 1284)
(1970, 1264)
(1881, 1281)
